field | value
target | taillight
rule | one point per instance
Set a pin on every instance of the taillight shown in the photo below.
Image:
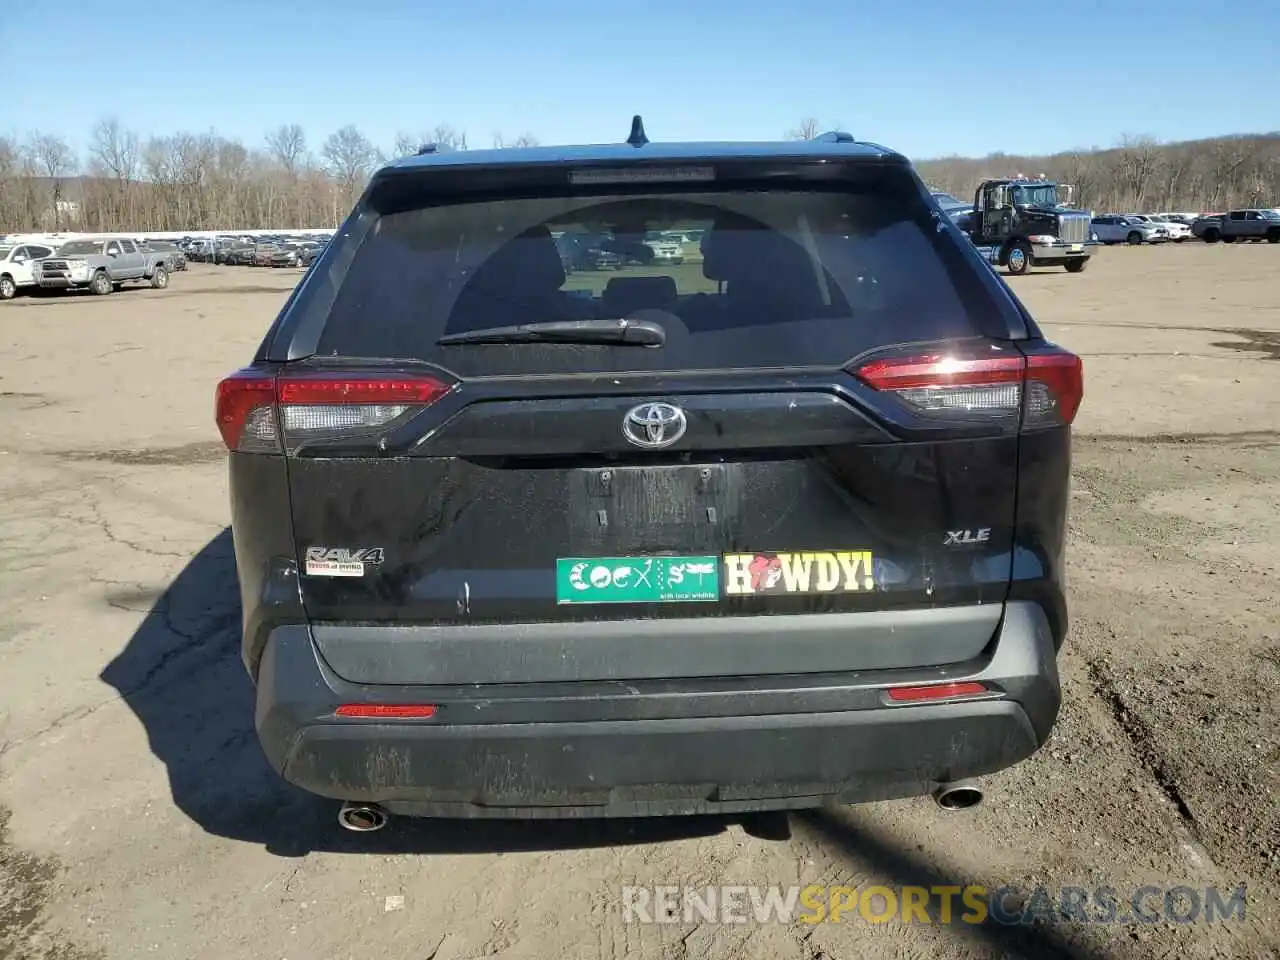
(264, 414)
(1044, 387)
(242, 397)
(1055, 387)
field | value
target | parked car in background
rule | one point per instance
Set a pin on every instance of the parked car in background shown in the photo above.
(665, 250)
(263, 252)
(1240, 225)
(1178, 232)
(242, 254)
(1112, 228)
(17, 264)
(1187, 218)
(308, 250)
(175, 260)
(292, 255)
(101, 265)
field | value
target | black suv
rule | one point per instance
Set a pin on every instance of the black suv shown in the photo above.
(776, 526)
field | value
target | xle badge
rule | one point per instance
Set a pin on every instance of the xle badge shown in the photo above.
(961, 537)
(340, 561)
(636, 579)
(819, 571)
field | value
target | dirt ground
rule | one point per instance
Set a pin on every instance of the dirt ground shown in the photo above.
(140, 819)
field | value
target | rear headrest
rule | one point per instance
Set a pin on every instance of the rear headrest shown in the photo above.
(624, 295)
(527, 264)
(738, 248)
(750, 256)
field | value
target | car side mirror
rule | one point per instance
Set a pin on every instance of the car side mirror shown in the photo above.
(19, 259)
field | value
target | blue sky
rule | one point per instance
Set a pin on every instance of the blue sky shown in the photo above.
(920, 76)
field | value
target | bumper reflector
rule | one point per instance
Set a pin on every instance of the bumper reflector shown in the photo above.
(387, 711)
(937, 691)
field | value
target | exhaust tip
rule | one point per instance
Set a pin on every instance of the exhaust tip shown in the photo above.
(961, 795)
(362, 817)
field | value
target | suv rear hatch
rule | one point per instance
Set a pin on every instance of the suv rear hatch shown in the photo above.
(786, 454)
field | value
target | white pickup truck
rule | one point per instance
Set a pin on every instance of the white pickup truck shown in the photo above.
(16, 264)
(101, 265)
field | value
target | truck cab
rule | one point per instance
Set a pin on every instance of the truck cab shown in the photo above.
(1020, 223)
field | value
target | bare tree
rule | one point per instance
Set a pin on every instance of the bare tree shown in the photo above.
(200, 180)
(524, 140)
(349, 156)
(114, 152)
(288, 145)
(1136, 163)
(806, 129)
(55, 161)
(447, 137)
(1175, 169)
(407, 144)
(10, 186)
(115, 149)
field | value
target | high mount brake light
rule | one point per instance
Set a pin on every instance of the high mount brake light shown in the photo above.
(259, 413)
(1045, 387)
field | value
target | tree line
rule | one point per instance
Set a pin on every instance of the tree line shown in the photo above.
(1137, 175)
(204, 181)
(196, 181)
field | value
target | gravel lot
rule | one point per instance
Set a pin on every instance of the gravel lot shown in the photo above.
(139, 817)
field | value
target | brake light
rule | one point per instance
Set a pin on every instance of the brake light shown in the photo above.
(1044, 387)
(937, 691)
(265, 414)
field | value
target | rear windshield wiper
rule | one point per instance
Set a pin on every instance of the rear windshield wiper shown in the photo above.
(640, 333)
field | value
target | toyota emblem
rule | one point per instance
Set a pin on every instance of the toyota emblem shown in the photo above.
(654, 425)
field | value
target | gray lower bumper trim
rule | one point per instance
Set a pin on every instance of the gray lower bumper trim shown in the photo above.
(654, 649)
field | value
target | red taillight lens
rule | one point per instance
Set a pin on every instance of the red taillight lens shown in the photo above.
(387, 711)
(262, 414)
(243, 395)
(939, 370)
(1060, 376)
(936, 691)
(1044, 388)
(413, 391)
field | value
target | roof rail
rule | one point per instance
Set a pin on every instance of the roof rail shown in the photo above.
(836, 136)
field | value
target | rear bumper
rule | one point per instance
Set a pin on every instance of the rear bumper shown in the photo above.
(655, 747)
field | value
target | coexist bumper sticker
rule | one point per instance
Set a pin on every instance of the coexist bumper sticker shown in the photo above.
(637, 579)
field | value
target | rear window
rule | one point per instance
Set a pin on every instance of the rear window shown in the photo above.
(737, 278)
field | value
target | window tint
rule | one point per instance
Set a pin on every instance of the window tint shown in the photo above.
(37, 253)
(1237, 215)
(775, 278)
(80, 248)
(128, 246)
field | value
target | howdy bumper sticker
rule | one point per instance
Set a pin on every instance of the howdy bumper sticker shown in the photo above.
(637, 579)
(818, 571)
